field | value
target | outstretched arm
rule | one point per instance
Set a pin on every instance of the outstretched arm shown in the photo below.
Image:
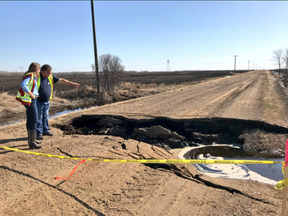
(67, 82)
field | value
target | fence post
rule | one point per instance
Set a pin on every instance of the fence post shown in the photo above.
(285, 189)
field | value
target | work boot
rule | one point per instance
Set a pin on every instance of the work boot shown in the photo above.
(32, 140)
(38, 142)
(47, 134)
(39, 137)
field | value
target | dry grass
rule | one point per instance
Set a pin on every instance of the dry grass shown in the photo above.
(273, 107)
(76, 93)
(10, 109)
(264, 142)
(125, 91)
(10, 103)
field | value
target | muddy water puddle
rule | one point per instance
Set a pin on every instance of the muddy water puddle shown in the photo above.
(265, 173)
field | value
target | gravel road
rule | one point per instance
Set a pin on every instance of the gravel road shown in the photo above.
(27, 181)
(254, 95)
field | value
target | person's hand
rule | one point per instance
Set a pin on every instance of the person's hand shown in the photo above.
(76, 84)
(31, 95)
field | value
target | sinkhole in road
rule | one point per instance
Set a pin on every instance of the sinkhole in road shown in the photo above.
(254, 138)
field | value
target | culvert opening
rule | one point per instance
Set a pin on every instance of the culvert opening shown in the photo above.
(252, 136)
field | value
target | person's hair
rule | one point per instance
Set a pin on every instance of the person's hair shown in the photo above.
(33, 67)
(46, 67)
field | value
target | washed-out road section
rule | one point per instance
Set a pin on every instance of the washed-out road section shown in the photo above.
(27, 181)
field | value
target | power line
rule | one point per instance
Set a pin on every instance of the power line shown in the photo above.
(179, 28)
(202, 63)
(145, 65)
(166, 27)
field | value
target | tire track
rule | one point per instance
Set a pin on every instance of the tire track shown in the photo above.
(209, 109)
(247, 104)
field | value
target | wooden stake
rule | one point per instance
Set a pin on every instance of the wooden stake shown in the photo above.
(285, 189)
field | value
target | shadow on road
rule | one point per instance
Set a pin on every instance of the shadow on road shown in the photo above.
(55, 187)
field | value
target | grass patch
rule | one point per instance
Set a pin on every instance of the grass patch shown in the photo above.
(268, 105)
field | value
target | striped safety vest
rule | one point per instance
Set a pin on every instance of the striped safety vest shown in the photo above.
(50, 79)
(24, 97)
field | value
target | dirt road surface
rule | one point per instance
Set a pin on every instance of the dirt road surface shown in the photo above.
(254, 95)
(27, 181)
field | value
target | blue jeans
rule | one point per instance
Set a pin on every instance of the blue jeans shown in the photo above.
(43, 114)
(32, 115)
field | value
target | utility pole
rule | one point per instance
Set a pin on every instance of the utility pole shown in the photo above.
(95, 49)
(235, 63)
(248, 65)
(168, 65)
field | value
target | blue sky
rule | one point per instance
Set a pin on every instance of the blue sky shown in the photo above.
(192, 35)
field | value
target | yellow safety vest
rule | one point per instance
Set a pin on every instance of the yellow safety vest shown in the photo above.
(24, 97)
(50, 79)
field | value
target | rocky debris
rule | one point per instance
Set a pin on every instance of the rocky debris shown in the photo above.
(109, 121)
(117, 131)
(205, 138)
(160, 131)
(175, 133)
(153, 132)
(176, 136)
(85, 130)
(174, 143)
(150, 134)
(140, 138)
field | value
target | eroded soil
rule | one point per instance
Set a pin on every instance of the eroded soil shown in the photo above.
(102, 188)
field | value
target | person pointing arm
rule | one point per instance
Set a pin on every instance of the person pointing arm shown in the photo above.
(67, 82)
(46, 83)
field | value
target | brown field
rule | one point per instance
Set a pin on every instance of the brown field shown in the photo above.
(9, 82)
(66, 97)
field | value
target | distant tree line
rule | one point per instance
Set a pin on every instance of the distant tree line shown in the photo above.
(280, 58)
(10, 74)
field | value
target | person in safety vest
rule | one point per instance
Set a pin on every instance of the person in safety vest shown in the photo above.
(45, 85)
(27, 95)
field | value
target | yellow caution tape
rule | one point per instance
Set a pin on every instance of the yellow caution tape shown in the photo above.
(177, 161)
(281, 184)
(188, 161)
(42, 154)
